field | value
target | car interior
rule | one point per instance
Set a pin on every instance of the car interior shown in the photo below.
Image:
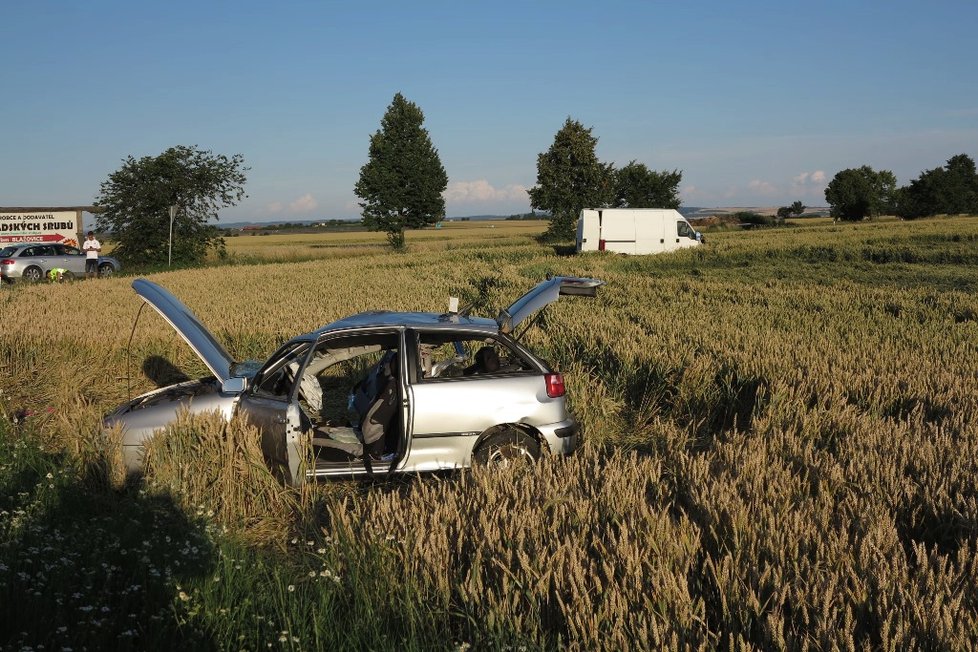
(349, 394)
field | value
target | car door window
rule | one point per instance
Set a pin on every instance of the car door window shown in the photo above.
(462, 355)
(345, 374)
(277, 378)
(60, 252)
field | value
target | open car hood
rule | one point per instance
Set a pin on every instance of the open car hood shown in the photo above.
(543, 295)
(188, 326)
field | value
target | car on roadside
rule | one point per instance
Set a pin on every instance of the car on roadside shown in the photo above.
(377, 392)
(31, 261)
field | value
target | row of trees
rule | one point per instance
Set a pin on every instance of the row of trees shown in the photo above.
(400, 187)
(570, 177)
(857, 193)
(796, 209)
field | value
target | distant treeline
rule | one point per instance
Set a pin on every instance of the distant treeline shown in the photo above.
(301, 227)
(529, 216)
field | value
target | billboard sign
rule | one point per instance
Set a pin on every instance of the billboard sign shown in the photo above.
(56, 226)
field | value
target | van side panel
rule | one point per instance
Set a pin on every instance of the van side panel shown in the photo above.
(651, 231)
(618, 230)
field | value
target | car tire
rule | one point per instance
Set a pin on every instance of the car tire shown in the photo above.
(33, 274)
(507, 447)
(106, 269)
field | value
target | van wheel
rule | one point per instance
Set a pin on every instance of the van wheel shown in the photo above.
(506, 447)
(106, 269)
(32, 274)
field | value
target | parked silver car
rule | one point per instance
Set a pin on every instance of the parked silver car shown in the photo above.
(31, 261)
(377, 392)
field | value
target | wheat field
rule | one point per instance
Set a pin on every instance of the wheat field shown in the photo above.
(781, 450)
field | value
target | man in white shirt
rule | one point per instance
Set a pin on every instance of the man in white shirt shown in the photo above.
(92, 247)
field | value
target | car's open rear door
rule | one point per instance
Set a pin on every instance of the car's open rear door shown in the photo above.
(543, 295)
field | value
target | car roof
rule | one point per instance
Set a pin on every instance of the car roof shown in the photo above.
(23, 245)
(388, 318)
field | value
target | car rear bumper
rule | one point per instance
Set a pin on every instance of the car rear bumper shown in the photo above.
(563, 437)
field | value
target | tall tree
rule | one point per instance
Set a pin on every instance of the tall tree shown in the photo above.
(856, 193)
(961, 186)
(570, 177)
(401, 184)
(636, 186)
(136, 198)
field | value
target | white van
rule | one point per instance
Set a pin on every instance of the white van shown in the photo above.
(634, 230)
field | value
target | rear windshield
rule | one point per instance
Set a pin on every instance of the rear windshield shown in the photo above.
(7, 251)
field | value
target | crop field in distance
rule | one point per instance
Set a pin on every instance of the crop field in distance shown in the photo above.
(781, 451)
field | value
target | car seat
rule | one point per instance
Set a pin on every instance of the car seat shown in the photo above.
(486, 362)
(376, 416)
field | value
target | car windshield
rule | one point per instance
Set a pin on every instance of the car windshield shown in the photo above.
(7, 251)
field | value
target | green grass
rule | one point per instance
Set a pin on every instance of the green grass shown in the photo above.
(84, 566)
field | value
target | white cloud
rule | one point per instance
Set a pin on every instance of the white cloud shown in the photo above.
(303, 204)
(809, 181)
(482, 191)
(274, 207)
(762, 187)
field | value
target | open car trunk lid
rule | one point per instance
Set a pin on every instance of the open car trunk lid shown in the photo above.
(188, 326)
(543, 295)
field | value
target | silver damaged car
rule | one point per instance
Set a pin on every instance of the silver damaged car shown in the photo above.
(378, 392)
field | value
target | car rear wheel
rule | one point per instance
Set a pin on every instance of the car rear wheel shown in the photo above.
(506, 447)
(32, 274)
(106, 269)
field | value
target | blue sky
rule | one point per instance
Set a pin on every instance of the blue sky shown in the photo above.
(758, 103)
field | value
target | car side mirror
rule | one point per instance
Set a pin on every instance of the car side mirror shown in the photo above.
(234, 385)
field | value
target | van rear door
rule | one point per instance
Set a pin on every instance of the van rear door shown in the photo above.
(588, 230)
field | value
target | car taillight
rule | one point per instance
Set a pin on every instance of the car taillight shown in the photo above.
(601, 245)
(555, 385)
(7, 261)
